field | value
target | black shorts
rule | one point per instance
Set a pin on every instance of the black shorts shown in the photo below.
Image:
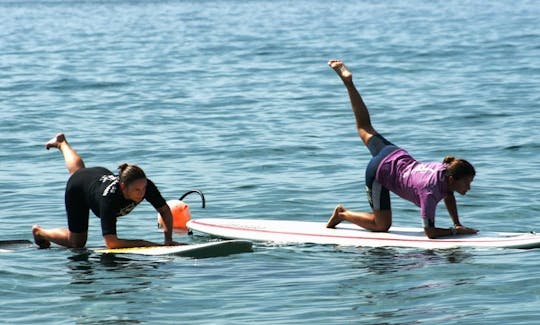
(77, 208)
(378, 196)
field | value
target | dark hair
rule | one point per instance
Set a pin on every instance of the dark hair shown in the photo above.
(130, 173)
(458, 168)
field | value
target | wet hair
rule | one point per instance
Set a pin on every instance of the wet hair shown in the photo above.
(458, 168)
(130, 173)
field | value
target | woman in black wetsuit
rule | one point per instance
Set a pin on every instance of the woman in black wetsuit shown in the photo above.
(109, 196)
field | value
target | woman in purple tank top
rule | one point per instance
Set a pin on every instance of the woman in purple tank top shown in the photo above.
(394, 169)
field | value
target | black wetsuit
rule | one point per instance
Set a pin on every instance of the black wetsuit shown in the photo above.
(98, 189)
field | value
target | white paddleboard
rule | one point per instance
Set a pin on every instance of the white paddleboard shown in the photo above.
(204, 250)
(284, 231)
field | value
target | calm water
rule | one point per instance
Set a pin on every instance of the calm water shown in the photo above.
(235, 98)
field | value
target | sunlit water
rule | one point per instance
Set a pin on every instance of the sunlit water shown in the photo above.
(235, 98)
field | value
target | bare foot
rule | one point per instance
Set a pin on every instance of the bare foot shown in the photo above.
(40, 241)
(340, 68)
(336, 217)
(56, 141)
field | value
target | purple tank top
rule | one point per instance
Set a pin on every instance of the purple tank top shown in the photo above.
(424, 184)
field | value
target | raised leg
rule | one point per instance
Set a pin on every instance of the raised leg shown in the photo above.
(361, 113)
(377, 220)
(73, 161)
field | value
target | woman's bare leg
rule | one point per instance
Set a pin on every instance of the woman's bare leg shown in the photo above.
(379, 220)
(60, 236)
(73, 161)
(361, 113)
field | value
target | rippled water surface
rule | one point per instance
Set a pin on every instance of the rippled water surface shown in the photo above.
(235, 98)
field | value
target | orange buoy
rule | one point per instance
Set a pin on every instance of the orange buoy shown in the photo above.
(180, 212)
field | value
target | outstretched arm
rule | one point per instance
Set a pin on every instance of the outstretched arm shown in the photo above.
(451, 206)
(112, 241)
(433, 232)
(457, 229)
(167, 218)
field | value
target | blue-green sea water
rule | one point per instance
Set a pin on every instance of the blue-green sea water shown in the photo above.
(235, 98)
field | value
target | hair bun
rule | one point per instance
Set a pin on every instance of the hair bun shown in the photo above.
(449, 159)
(129, 173)
(122, 167)
(458, 168)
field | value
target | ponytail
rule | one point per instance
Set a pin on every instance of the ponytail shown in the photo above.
(130, 173)
(458, 168)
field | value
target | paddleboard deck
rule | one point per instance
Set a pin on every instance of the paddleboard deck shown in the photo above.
(204, 250)
(286, 231)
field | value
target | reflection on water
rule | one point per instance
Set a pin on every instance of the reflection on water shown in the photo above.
(386, 279)
(105, 284)
(382, 260)
(80, 268)
(86, 267)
